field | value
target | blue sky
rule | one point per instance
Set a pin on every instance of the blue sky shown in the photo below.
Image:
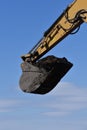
(22, 24)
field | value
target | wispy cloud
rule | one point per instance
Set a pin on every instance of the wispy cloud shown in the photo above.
(66, 99)
(7, 105)
(63, 100)
(62, 104)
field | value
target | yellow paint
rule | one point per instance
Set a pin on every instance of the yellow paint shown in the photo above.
(63, 27)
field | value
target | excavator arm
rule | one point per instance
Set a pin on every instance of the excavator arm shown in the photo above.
(40, 76)
(70, 20)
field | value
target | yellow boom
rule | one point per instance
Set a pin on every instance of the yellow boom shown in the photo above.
(74, 15)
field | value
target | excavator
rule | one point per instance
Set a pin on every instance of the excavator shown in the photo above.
(41, 75)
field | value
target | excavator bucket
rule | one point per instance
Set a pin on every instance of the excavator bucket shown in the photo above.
(42, 76)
